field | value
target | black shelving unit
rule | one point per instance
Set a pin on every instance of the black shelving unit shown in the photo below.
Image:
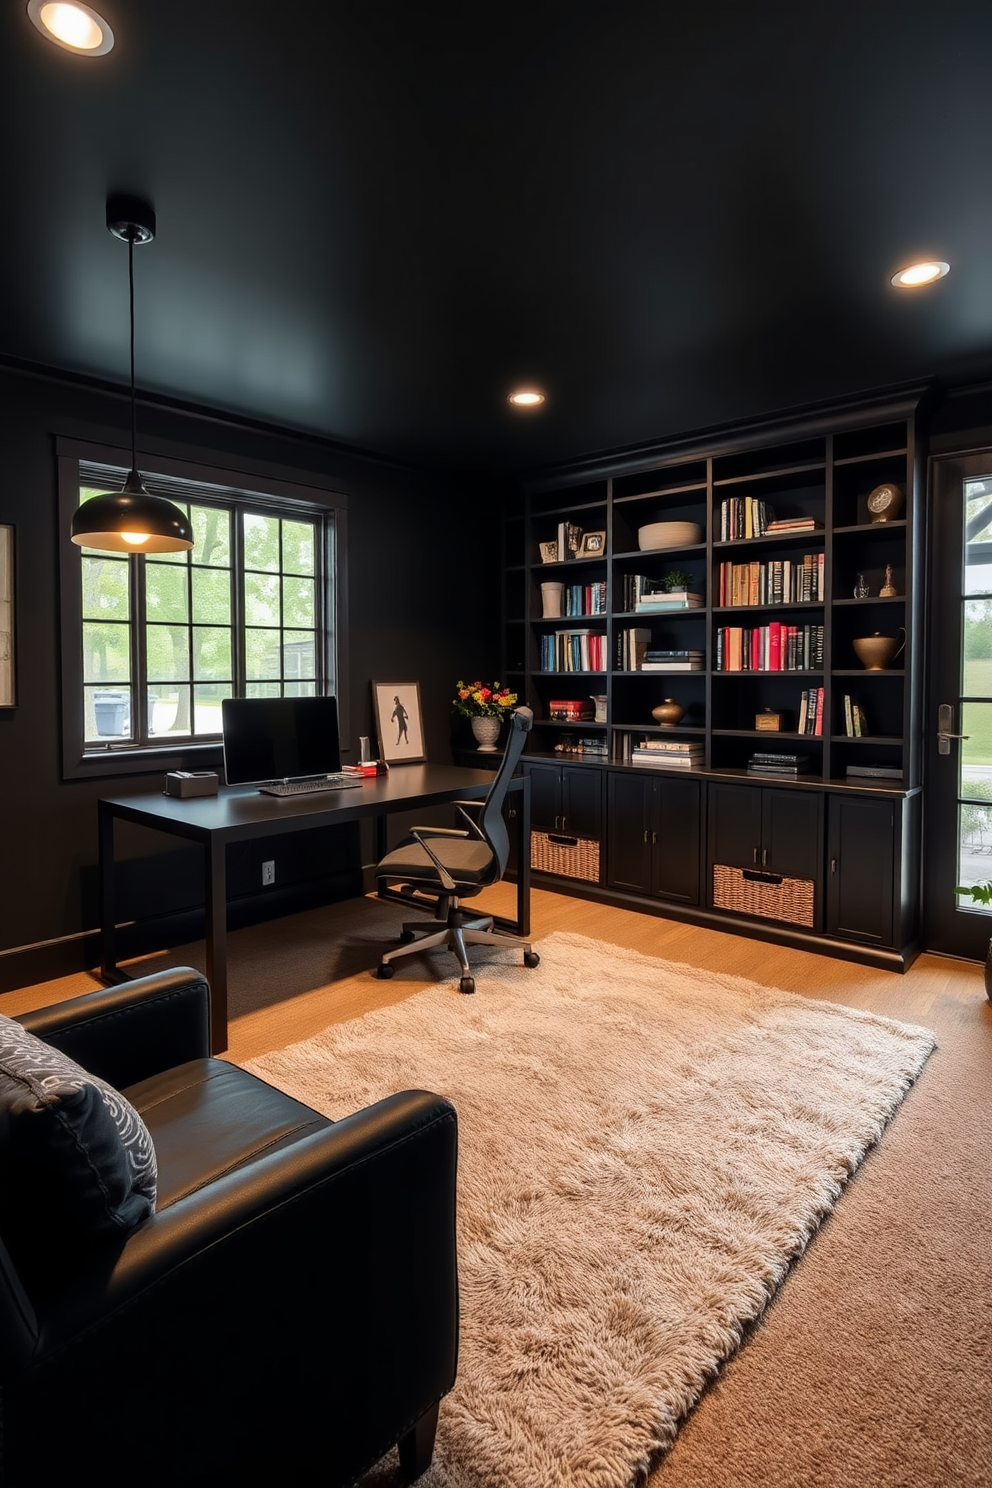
(818, 469)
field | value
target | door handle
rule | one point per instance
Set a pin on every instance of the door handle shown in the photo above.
(945, 723)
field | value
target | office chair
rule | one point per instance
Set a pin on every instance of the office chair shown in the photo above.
(452, 864)
(250, 1313)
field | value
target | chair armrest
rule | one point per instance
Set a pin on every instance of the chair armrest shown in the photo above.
(136, 1029)
(437, 832)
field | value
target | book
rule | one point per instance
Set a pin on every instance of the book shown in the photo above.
(682, 746)
(766, 757)
(875, 772)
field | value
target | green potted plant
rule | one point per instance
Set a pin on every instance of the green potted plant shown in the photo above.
(677, 580)
(981, 893)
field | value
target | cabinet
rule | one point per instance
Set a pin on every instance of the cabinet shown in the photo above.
(779, 830)
(566, 799)
(653, 835)
(873, 880)
(731, 573)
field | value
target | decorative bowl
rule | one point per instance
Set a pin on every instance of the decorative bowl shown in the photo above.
(668, 535)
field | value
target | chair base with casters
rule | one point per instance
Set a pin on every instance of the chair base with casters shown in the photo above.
(457, 929)
(442, 866)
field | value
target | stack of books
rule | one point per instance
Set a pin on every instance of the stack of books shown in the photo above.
(794, 524)
(762, 763)
(667, 754)
(672, 661)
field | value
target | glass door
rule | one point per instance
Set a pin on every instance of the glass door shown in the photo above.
(959, 707)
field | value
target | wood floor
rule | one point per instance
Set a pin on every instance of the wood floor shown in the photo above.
(956, 986)
(872, 1363)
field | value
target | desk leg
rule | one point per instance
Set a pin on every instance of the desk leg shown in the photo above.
(109, 970)
(215, 904)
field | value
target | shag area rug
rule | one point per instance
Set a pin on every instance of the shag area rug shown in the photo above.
(643, 1150)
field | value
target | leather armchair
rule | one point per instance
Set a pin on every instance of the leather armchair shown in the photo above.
(289, 1308)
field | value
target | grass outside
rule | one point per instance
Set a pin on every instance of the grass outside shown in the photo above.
(977, 717)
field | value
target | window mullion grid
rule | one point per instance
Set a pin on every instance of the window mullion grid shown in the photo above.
(238, 638)
(138, 627)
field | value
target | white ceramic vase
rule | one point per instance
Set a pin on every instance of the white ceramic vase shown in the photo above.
(486, 731)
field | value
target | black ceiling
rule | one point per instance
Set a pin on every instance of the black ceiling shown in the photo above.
(375, 218)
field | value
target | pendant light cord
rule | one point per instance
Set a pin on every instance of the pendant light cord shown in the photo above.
(130, 282)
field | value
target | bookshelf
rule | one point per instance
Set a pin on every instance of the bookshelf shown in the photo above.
(747, 622)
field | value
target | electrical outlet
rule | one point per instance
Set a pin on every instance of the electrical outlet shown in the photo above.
(268, 872)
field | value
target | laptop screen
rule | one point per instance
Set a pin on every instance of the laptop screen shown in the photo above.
(279, 738)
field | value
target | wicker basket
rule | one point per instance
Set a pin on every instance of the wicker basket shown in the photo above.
(569, 857)
(766, 894)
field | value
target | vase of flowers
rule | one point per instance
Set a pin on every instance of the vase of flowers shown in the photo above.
(485, 705)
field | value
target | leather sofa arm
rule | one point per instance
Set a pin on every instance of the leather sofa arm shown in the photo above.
(318, 1283)
(131, 1031)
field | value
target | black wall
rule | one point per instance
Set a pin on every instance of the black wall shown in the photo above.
(422, 587)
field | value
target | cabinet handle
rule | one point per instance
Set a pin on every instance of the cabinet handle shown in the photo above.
(557, 823)
(755, 857)
(764, 857)
(563, 821)
(654, 836)
(645, 834)
(833, 865)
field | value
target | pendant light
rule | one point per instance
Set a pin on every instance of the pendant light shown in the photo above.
(131, 520)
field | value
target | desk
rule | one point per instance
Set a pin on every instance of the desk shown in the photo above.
(241, 812)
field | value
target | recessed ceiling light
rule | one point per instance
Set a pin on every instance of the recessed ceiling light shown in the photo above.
(74, 26)
(526, 398)
(920, 273)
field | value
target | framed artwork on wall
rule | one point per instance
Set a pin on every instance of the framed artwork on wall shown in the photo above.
(399, 722)
(7, 694)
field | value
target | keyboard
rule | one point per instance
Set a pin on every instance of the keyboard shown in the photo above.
(308, 787)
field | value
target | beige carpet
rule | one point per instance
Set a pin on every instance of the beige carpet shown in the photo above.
(644, 1148)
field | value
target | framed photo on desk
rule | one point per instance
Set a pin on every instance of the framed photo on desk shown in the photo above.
(399, 722)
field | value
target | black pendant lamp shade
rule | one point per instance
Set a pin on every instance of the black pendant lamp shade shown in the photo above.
(131, 520)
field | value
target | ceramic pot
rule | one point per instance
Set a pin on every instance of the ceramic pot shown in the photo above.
(668, 713)
(486, 731)
(551, 600)
(876, 652)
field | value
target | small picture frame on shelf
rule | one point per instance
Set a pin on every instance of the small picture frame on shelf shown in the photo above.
(592, 545)
(399, 722)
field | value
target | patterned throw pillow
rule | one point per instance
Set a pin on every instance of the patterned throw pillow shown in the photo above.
(76, 1159)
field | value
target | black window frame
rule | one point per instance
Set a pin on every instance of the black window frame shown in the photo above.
(274, 494)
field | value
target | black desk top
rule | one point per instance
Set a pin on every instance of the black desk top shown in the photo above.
(242, 811)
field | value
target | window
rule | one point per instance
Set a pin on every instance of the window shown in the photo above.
(153, 643)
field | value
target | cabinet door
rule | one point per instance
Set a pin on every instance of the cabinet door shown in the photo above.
(676, 822)
(791, 833)
(735, 825)
(629, 848)
(860, 883)
(582, 802)
(545, 797)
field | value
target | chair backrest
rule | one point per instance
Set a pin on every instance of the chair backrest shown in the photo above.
(490, 818)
